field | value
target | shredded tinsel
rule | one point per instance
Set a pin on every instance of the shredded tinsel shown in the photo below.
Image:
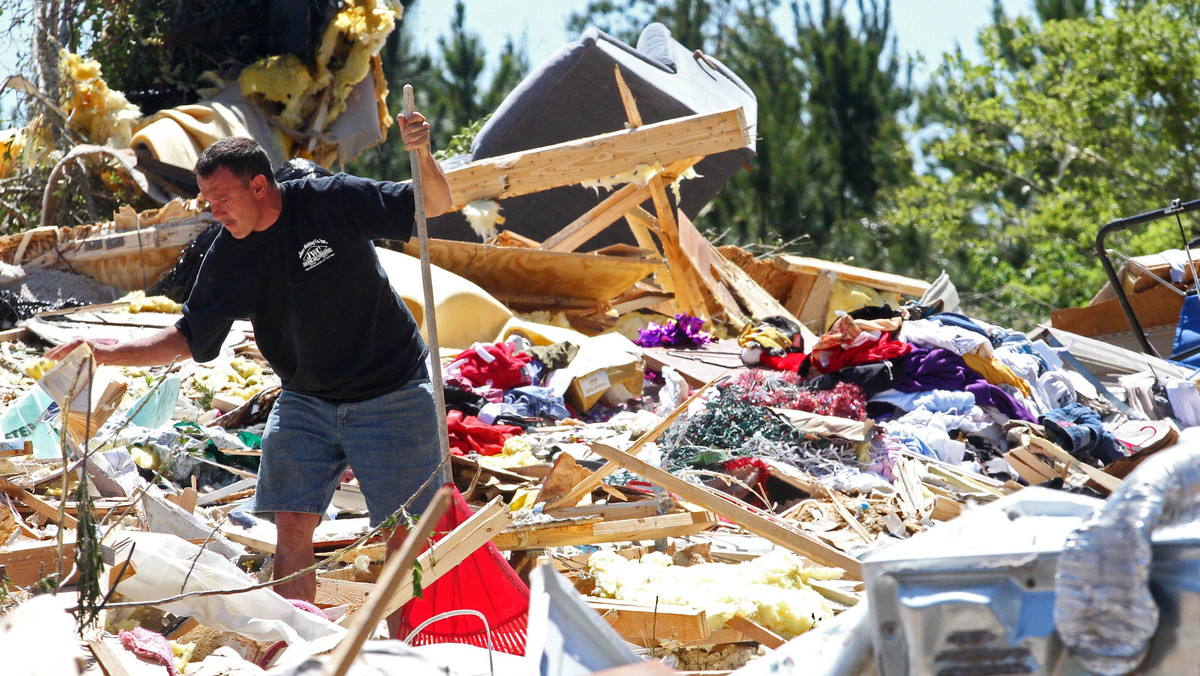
(782, 389)
(682, 330)
(733, 425)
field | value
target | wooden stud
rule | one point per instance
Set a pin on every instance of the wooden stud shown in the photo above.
(754, 520)
(755, 631)
(542, 536)
(590, 484)
(453, 549)
(393, 575)
(601, 156)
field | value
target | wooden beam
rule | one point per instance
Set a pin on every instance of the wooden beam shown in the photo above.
(37, 504)
(398, 566)
(1106, 481)
(612, 209)
(453, 549)
(627, 100)
(610, 512)
(650, 625)
(684, 274)
(27, 562)
(335, 592)
(755, 631)
(590, 484)
(641, 223)
(601, 156)
(754, 520)
(541, 536)
(881, 281)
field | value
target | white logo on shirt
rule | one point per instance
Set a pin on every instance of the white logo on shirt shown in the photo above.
(314, 253)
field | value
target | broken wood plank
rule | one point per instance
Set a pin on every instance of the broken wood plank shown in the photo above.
(755, 631)
(880, 281)
(335, 592)
(28, 562)
(453, 549)
(563, 476)
(594, 220)
(590, 278)
(37, 504)
(185, 499)
(815, 308)
(1028, 466)
(641, 223)
(610, 512)
(651, 625)
(541, 536)
(753, 520)
(599, 156)
(684, 275)
(398, 566)
(1106, 481)
(592, 482)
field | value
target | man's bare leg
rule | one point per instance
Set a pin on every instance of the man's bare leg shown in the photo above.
(293, 552)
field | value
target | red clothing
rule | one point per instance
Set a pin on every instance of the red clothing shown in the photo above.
(468, 433)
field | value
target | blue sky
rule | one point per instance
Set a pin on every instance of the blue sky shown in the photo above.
(927, 27)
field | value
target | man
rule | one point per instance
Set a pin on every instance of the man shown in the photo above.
(296, 259)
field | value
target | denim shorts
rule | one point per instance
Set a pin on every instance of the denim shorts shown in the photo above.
(389, 441)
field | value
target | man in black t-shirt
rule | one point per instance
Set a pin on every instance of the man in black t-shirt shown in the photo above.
(296, 259)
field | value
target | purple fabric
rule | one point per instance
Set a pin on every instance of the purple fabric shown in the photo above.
(939, 369)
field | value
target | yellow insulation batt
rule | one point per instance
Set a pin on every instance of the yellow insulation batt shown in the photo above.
(104, 116)
(771, 590)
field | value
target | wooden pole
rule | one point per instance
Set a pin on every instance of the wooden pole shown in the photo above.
(393, 574)
(435, 359)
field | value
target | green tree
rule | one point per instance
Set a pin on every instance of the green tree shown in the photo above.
(1066, 125)
(447, 88)
(828, 92)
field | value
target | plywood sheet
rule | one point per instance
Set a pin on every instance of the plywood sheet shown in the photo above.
(506, 271)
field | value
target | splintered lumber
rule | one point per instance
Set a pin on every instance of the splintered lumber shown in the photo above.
(755, 631)
(563, 476)
(30, 561)
(600, 156)
(37, 504)
(754, 520)
(130, 252)
(453, 549)
(1106, 481)
(397, 567)
(730, 283)
(650, 625)
(542, 536)
(614, 207)
(880, 281)
(334, 592)
(508, 272)
(592, 482)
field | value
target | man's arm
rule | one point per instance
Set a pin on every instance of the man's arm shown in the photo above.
(436, 191)
(164, 347)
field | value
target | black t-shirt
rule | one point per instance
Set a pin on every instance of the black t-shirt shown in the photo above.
(324, 313)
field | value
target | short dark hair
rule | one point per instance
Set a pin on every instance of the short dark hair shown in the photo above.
(242, 156)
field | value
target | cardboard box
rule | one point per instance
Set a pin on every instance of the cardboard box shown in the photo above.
(607, 366)
(616, 384)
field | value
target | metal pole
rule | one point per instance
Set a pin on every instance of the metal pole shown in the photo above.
(435, 361)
